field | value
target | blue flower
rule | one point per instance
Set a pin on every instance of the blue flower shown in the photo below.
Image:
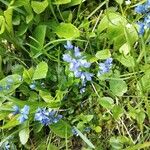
(87, 129)
(109, 61)
(147, 5)
(144, 9)
(42, 116)
(85, 76)
(147, 21)
(78, 65)
(88, 76)
(74, 132)
(7, 145)
(24, 114)
(46, 117)
(15, 110)
(140, 9)
(82, 90)
(77, 73)
(74, 65)
(77, 52)
(141, 28)
(84, 63)
(67, 58)
(32, 86)
(105, 67)
(68, 46)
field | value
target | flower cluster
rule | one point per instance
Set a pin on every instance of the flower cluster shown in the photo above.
(47, 116)
(24, 112)
(105, 67)
(43, 115)
(77, 64)
(144, 9)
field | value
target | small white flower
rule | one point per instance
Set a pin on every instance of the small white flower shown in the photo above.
(128, 2)
(128, 25)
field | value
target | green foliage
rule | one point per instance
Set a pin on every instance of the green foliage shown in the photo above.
(85, 139)
(10, 83)
(39, 7)
(118, 87)
(106, 102)
(24, 133)
(103, 54)
(40, 71)
(108, 108)
(62, 129)
(67, 30)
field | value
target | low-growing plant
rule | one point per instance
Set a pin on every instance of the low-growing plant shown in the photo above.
(74, 74)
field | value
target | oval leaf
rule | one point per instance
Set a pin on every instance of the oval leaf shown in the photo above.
(106, 102)
(103, 54)
(60, 2)
(9, 84)
(118, 87)
(39, 7)
(62, 129)
(67, 30)
(40, 71)
(24, 133)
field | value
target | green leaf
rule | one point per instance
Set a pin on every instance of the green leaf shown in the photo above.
(24, 133)
(117, 28)
(146, 80)
(75, 2)
(60, 2)
(38, 40)
(62, 129)
(118, 87)
(127, 61)
(103, 54)
(125, 49)
(39, 34)
(22, 29)
(112, 21)
(10, 83)
(84, 138)
(115, 143)
(28, 8)
(117, 111)
(39, 7)
(119, 1)
(67, 30)
(40, 71)
(2, 24)
(12, 123)
(46, 96)
(8, 19)
(138, 146)
(106, 102)
(27, 75)
(140, 117)
(52, 147)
